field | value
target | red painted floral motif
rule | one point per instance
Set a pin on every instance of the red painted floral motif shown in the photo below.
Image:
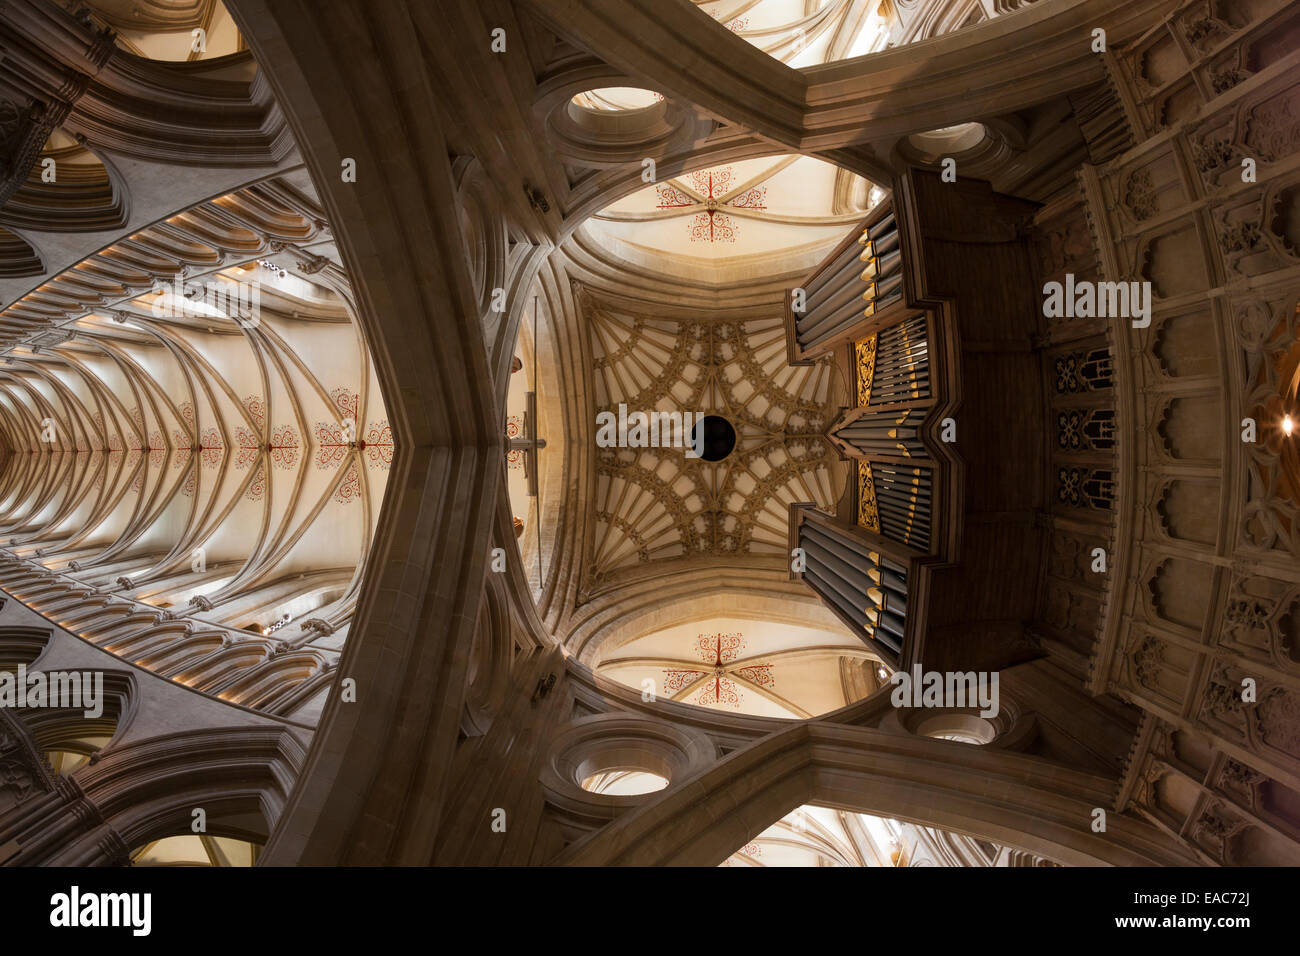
(349, 489)
(752, 198)
(331, 444)
(718, 651)
(211, 448)
(515, 429)
(187, 414)
(760, 675)
(183, 450)
(256, 409)
(720, 691)
(248, 446)
(257, 487)
(749, 849)
(347, 402)
(677, 680)
(284, 446)
(712, 225)
(378, 445)
(157, 449)
(705, 181)
(191, 483)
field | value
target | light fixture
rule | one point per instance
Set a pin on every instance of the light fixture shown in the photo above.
(271, 267)
(1288, 425)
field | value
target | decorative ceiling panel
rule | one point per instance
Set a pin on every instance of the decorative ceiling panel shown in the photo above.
(658, 504)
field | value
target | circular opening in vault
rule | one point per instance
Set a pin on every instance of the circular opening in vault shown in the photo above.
(950, 139)
(719, 437)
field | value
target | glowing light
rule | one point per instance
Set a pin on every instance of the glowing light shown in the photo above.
(1288, 425)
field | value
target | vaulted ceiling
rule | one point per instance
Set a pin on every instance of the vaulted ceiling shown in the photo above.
(768, 211)
(191, 420)
(655, 504)
(164, 456)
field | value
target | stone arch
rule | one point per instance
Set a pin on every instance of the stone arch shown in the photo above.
(1007, 798)
(147, 791)
(489, 668)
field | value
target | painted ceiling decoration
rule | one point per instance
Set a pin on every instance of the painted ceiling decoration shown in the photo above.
(711, 190)
(772, 206)
(764, 668)
(720, 652)
(515, 429)
(534, 451)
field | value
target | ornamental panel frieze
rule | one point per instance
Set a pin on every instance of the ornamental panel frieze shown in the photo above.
(1265, 329)
(1240, 782)
(1184, 510)
(657, 503)
(1261, 621)
(1145, 188)
(1173, 258)
(1157, 668)
(1216, 829)
(1064, 243)
(1177, 593)
(1082, 375)
(1070, 558)
(23, 770)
(1186, 428)
(1263, 125)
(1256, 231)
(1254, 711)
(1182, 345)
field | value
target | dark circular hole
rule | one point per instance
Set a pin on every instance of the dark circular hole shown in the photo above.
(719, 437)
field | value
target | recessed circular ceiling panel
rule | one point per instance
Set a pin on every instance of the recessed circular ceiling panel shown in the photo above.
(718, 439)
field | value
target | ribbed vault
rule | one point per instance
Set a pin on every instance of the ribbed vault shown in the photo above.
(191, 421)
(656, 504)
(199, 494)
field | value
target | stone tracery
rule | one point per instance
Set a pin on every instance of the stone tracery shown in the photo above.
(657, 505)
